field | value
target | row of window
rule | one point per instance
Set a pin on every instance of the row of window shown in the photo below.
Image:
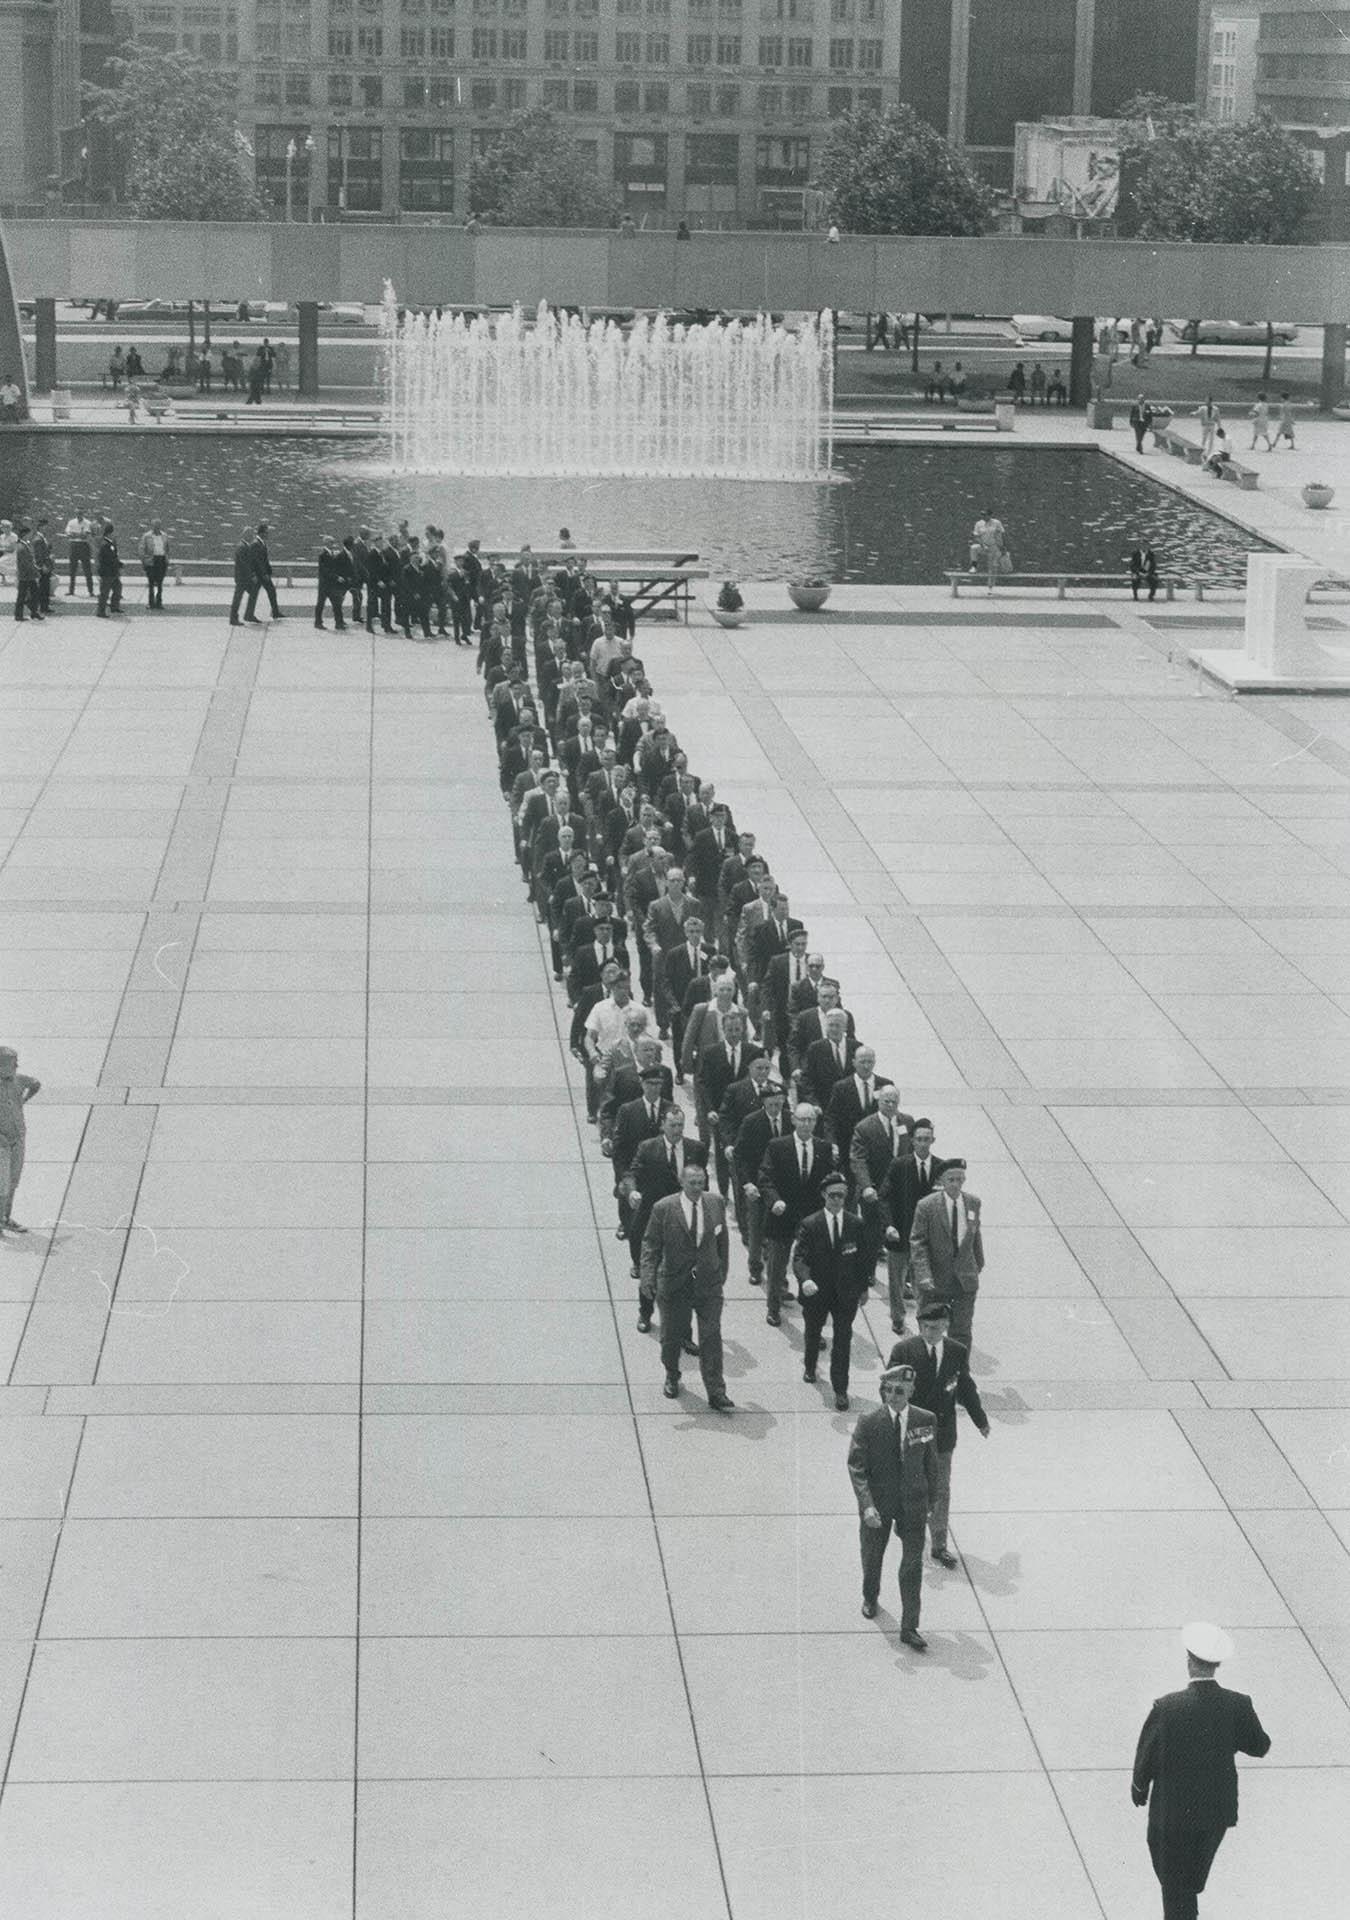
(725, 101)
(867, 11)
(562, 48)
(426, 164)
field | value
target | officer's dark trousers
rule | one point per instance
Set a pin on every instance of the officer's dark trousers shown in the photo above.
(873, 1542)
(1182, 1860)
(816, 1310)
(678, 1305)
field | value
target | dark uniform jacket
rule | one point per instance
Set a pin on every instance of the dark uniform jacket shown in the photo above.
(900, 1488)
(841, 1275)
(904, 1187)
(653, 1175)
(869, 1151)
(632, 1125)
(844, 1109)
(753, 1138)
(820, 1069)
(1185, 1757)
(780, 1178)
(938, 1388)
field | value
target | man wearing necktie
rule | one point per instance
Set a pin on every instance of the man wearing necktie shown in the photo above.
(910, 1179)
(941, 1377)
(685, 1251)
(947, 1248)
(636, 1121)
(790, 1178)
(892, 1462)
(828, 1059)
(657, 1170)
(720, 1067)
(874, 1145)
(757, 1132)
(853, 1097)
(829, 1259)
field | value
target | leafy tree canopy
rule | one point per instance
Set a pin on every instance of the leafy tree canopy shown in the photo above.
(535, 174)
(890, 172)
(1186, 178)
(175, 119)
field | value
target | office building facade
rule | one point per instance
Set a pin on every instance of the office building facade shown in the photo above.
(1303, 81)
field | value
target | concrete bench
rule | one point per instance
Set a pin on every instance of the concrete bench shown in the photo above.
(1245, 477)
(1061, 582)
(873, 426)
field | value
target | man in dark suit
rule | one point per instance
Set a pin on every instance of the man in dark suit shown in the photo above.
(707, 851)
(941, 1377)
(109, 565)
(853, 1098)
(790, 1178)
(685, 1251)
(657, 1170)
(772, 934)
(1184, 1771)
(947, 1247)
(829, 1259)
(245, 582)
(808, 1026)
(334, 581)
(382, 567)
(781, 975)
(597, 940)
(913, 1176)
(359, 549)
(623, 1081)
(720, 1067)
(892, 1462)
(739, 1100)
(826, 1060)
(635, 1121)
(678, 967)
(262, 565)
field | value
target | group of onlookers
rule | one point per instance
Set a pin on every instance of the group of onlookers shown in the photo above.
(92, 552)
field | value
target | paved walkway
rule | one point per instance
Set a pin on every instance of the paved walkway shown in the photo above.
(352, 1561)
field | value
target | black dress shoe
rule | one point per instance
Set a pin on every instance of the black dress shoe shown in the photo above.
(644, 1323)
(756, 1279)
(773, 1319)
(691, 1348)
(635, 1273)
(671, 1387)
(869, 1609)
(809, 1375)
(841, 1403)
(913, 1638)
(945, 1558)
(720, 1403)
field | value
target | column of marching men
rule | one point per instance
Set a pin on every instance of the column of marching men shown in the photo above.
(668, 930)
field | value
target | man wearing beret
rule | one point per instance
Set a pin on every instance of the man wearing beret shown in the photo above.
(947, 1250)
(892, 1462)
(1184, 1770)
(832, 1262)
(941, 1378)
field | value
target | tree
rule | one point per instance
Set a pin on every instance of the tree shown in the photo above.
(1243, 182)
(174, 119)
(534, 174)
(890, 172)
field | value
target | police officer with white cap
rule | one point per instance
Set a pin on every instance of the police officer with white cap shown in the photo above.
(1184, 1770)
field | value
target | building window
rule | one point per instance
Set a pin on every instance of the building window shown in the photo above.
(340, 43)
(297, 89)
(698, 50)
(782, 163)
(728, 102)
(514, 42)
(838, 100)
(370, 42)
(485, 43)
(658, 49)
(426, 170)
(267, 87)
(554, 95)
(628, 6)
(869, 99)
(356, 168)
(640, 167)
(699, 8)
(869, 12)
(556, 43)
(414, 90)
(869, 56)
(441, 41)
(267, 38)
(626, 95)
(659, 7)
(483, 95)
(771, 50)
(586, 49)
(628, 49)
(699, 98)
(412, 43)
(799, 103)
(799, 51)
(513, 95)
(372, 90)
(841, 55)
(442, 93)
(585, 7)
(296, 41)
(770, 102)
(269, 165)
(339, 89)
(585, 96)
(728, 49)
(711, 159)
(841, 10)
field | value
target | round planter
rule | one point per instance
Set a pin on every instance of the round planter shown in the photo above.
(809, 599)
(726, 619)
(1318, 497)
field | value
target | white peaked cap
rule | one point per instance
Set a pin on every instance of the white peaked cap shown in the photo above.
(1206, 1642)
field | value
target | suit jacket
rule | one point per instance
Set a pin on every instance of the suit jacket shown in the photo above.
(652, 1175)
(843, 1110)
(930, 1246)
(584, 971)
(632, 1125)
(777, 984)
(624, 1086)
(841, 1276)
(664, 928)
(900, 1486)
(753, 1138)
(739, 1100)
(767, 939)
(669, 1257)
(702, 1033)
(1185, 1757)
(680, 971)
(820, 1069)
(716, 1073)
(938, 1388)
(703, 859)
(869, 1154)
(807, 1028)
(903, 1189)
(780, 1178)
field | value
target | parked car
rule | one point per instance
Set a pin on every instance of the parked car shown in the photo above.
(1049, 326)
(145, 309)
(344, 313)
(1231, 333)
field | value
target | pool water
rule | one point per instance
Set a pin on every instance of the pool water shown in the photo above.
(904, 515)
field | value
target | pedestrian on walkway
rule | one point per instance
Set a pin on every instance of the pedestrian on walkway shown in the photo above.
(1260, 419)
(154, 551)
(79, 550)
(26, 577)
(1208, 416)
(1141, 419)
(109, 573)
(16, 1090)
(1286, 431)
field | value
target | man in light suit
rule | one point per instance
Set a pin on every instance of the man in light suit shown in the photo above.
(892, 1462)
(685, 1251)
(877, 1141)
(947, 1249)
(1184, 1771)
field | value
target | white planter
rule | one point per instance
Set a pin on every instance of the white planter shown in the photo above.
(1318, 497)
(726, 619)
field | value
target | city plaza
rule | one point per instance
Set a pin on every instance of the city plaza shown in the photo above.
(354, 1561)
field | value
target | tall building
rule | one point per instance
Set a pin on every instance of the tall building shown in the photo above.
(1230, 75)
(1303, 81)
(39, 94)
(975, 68)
